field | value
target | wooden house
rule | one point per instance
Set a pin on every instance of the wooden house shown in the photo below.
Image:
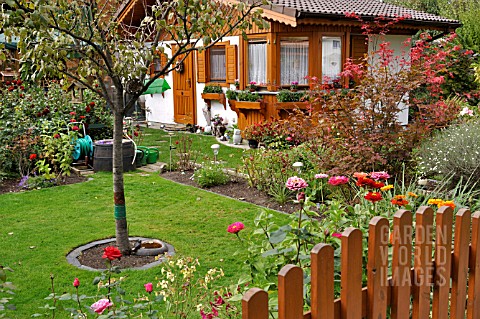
(305, 38)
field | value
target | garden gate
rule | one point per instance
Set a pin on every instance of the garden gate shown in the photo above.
(443, 282)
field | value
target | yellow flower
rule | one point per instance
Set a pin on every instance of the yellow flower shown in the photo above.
(449, 203)
(412, 194)
(434, 201)
(386, 188)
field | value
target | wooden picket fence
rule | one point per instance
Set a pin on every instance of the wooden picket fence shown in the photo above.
(441, 284)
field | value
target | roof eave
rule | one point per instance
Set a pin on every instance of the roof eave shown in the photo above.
(444, 25)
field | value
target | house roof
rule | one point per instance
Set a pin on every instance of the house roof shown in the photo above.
(293, 11)
(364, 8)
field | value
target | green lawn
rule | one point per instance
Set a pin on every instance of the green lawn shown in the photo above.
(201, 143)
(38, 228)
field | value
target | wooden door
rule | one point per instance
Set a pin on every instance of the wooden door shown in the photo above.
(184, 92)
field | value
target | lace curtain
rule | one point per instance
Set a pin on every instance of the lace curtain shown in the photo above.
(293, 60)
(218, 71)
(331, 57)
(257, 61)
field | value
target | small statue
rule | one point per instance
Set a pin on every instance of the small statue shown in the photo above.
(207, 113)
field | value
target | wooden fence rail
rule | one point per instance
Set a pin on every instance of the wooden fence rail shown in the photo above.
(441, 283)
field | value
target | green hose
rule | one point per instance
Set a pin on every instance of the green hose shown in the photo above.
(83, 147)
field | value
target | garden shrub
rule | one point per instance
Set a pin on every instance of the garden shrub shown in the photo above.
(211, 175)
(454, 150)
(40, 123)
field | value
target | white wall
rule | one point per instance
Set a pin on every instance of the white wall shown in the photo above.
(160, 109)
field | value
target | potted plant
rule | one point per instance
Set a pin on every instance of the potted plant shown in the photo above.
(237, 84)
(213, 92)
(252, 135)
(294, 86)
(252, 86)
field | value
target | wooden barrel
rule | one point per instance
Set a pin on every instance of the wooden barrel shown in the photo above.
(103, 155)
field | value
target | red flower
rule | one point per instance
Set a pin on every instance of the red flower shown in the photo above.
(56, 136)
(72, 120)
(76, 283)
(337, 235)
(33, 156)
(111, 252)
(11, 88)
(399, 200)
(73, 113)
(373, 196)
(82, 116)
(19, 82)
(75, 128)
(148, 287)
(7, 83)
(135, 133)
(92, 104)
(364, 181)
(377, 185)
(235, 227)
(22, 88)
(88, 109)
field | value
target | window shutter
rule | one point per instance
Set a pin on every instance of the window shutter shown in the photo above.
(201, 67)
(163, 61)
(231, 57)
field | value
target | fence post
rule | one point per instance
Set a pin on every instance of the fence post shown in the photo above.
(255, 304)
(401, 263)
(322, 279)
(422, 269)
(377, 268)
(473, 304)
(351, 293)
(443, 262)
(460, 264)
(290, 292)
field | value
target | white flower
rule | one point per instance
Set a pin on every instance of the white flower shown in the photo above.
(466, 111)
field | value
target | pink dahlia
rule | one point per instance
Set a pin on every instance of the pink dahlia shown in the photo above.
(296, 183)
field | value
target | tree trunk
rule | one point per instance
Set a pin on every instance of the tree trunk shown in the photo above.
(121, 229)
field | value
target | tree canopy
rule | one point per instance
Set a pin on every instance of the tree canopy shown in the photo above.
(84, 41)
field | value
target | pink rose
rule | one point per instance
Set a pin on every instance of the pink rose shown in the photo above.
(100, 306)
(148, 287)
(76, 283)
(235, 227)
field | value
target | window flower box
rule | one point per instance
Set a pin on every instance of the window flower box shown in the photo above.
(220, 97)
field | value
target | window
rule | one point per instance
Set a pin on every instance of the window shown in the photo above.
(257, 60)
(217, 64)
(218, 71)
(331, 58)
(293, 60)
(157, 63)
